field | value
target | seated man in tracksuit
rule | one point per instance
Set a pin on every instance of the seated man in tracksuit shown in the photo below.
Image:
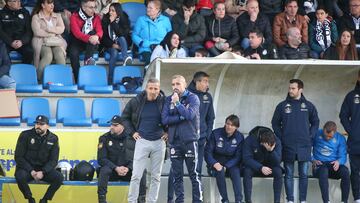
(262, 157)
(223, 155)
(329, 158)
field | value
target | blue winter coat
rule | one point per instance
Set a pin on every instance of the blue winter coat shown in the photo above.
(207, 114)
(329, 150)
(223, 149)
(350, 119)
(183, 120)
(147, 32)
(256, 156)
(295, 122)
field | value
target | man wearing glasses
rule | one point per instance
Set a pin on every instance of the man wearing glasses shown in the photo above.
(36, 156)
(15, 29)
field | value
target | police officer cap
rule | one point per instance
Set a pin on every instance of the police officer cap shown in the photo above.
(41, 119)
(115, 119)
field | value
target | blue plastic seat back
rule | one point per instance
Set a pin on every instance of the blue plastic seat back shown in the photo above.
(24, 74)
(58, 74)
(32, 107)
(92, 75)
(103, 109)
(124, 71)
(70, 108)
(134, 11)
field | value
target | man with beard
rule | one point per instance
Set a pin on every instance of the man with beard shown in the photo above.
(115, 156)
(36, 156)
(350, 119)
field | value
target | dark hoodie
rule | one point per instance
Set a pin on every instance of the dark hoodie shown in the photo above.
(4, 60)
(295, 122)
(350, 119)
(207, 114)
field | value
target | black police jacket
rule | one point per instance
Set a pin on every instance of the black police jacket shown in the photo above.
(116, 150)
(35, 152)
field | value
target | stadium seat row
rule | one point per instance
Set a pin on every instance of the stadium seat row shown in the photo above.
(69, 112)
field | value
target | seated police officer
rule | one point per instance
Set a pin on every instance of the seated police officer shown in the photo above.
(36, 156)
(262, 157)
(329, 158)
(223, 155)
(115, 156)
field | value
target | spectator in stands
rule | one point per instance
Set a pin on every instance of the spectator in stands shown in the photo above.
(295, 48)
(190, 26)
(170, 47)
(36, 156)
(253, 19)
(351, 21)
(223, 154)
(142, 119)
(322, 33)
(222, 31)
(2, 4)
(15, 29)
(181, 115)
(201, 52)
(294, 113)
(66, 8)
(150, 29)
(102, 6)
(287, 19)
(47, 42)
(262, 157)
(5, 80)
(238, 50)
(116, 27)
(271, 8)
(86, 32)
(235, 8)
(171, 7)
(329, 158)
(350, 119)
(258, 49)
(344, 49)
(115, 156)
(204, 7)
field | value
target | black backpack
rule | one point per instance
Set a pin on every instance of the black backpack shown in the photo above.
(131, 83)
(83, 171)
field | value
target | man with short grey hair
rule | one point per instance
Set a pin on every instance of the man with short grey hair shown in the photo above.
(295, 47)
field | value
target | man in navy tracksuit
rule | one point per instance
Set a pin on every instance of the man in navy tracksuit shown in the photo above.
(223, 155)
(295, 122)
(329, 158)
(181, 114)
(262, 157)
(350, 119)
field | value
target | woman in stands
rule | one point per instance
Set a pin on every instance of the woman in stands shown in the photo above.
(170, 47)
(344, 49)
(47, 42)
(150, 29)
(116, 27)
(222, 31)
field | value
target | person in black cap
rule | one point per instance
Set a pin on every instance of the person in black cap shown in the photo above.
(115, 156)
(36, 156)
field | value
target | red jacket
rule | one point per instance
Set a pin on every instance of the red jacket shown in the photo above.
(76, 24)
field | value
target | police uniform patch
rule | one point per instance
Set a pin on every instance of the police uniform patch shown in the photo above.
(110, 143)
(50, 143)
(172, 151)
(287, 108)
(6, 17)
(220, 144)
(356, 99)
(32, 141)
(21, 16)
(100, 145)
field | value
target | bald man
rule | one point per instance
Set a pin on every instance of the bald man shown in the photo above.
(295, 47)
(181, 114)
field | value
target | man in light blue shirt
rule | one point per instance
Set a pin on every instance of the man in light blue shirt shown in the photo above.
(329, 158)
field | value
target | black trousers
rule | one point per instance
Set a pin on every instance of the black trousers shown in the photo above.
(26, 51)
(54, 177)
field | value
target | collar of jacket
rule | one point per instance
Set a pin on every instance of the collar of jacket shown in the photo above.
(192, 88)
(302, 98)
(42, 16)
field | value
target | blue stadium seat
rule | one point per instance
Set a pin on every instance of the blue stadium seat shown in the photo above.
(14, 55)
(32, 107)
(95, 56)
(71, 112)
(93, 79)
(25, 77)
(119, 56)
(124, 71)
(9, 121)
(103, 109)
(58, 78)
(134, 10)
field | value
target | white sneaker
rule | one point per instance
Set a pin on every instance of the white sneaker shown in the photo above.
(303, 202)
(290, 202)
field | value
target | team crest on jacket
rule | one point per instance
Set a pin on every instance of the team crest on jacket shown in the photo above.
(233, 141)
(264, 52)
(220, 144)
(287, 108)
(205, 97)
(356, 99)
(21, 16)
(303, 107)
(110, 143)
(32, 141)
(172, 151)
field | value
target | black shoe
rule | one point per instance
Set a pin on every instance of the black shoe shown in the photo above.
(43, 201)
(31, 200)
(102, 198)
